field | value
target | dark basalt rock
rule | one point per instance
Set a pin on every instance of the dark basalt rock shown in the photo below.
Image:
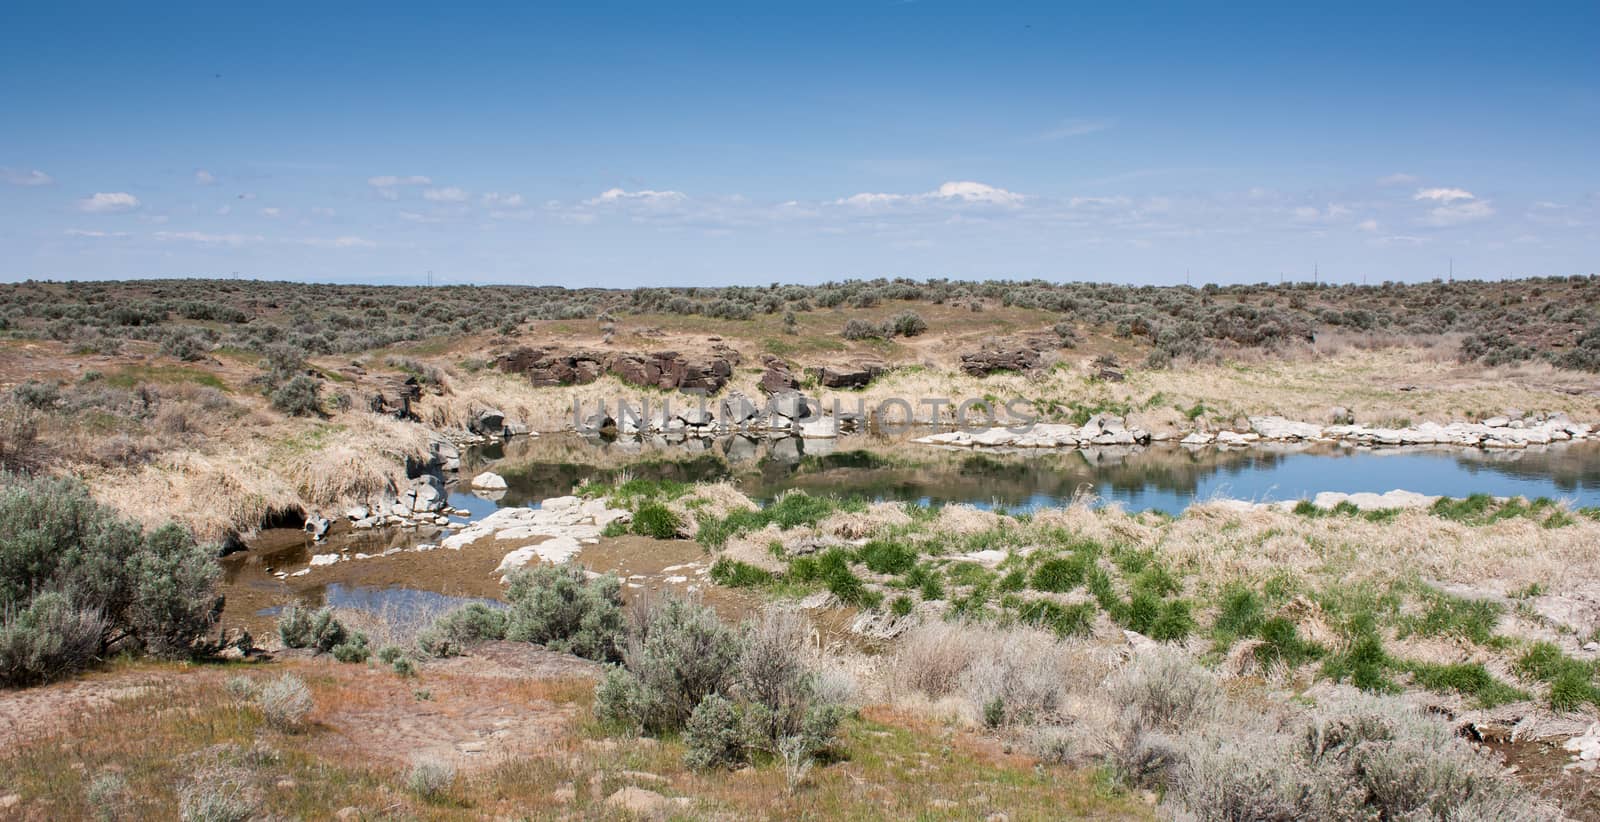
(1019, 358)
(847, 376)
(667, 370)
(778, 378)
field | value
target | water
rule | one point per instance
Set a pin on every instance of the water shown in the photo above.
(1161, 477)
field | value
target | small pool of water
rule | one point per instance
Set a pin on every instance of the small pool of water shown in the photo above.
(1162, 477)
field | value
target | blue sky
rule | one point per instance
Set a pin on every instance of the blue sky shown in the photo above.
(709, 143)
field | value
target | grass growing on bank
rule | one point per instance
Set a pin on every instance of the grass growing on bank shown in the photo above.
(1381, 637)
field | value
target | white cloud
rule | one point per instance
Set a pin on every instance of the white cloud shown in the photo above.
(495, 198)
(1397, 180)
(1368, 225)
(225, 210)
(1074, 128)
(203, 177)
(961, 191)
(617, 195)
(449, 194)
(977, 193)
(348, 241)
(390, 181)
(31, 177)
(78, 232)
(271, 212)
(204, 238)
(387, 184)
(319, 211)
(108, 202)
(1443, 195)
(1457, 213)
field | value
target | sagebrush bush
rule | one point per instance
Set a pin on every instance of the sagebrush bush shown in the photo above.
(430, 778)
(353, 650)
(679, 654)
(301, 396)
(713, 736)
(284, 703)
(562, 609)
(455, 630)
(319, 630)
(217, 798)
(152, 592)
(861, 330)
(908, 324)
(47, 640)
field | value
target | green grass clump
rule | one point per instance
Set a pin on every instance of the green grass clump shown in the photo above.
(885, 557)
(832, 569)
(735, 574)
(792, 510)
(1363, 660)
(657, 521)
(1173, 621)
(1469, 679)
(1061, 574)
(1571, 681)
(901, 606)
(1065, 620)
(1449, 615)
(1240, 614)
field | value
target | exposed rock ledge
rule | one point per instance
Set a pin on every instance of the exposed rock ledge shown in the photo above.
(1101, 430)
(562, 526)
(1498, 432)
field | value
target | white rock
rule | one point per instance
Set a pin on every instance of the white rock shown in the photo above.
(324, 559)
(489, 481)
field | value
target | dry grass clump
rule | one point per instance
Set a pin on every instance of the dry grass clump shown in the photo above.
(221, 489)
(1219, 543)
(1026, 676)
(707, 502)
(861, 524)
(430, 778)
(285, 703)
(962, 520)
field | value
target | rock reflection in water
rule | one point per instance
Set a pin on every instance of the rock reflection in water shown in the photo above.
(1165, 477)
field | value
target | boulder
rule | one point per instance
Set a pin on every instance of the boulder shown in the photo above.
(550, 366)
(1019, 358)
(737, 409)
(791, 404)
(489, 481)
(426, 494)
(597, 422)
(778, 377)
(488, 423)
(318, 526)
(847, 376)
(696, 417)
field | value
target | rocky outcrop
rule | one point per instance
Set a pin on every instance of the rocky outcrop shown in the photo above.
(847, 376)
(668, 370)
(778, 377)
(489, 422)
(1100, 430)
(425, 495)
(550, 366)
(1010, 357)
